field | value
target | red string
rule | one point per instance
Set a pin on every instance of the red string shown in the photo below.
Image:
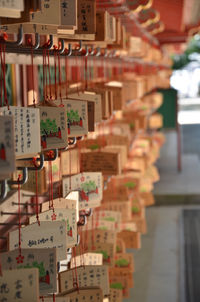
(66, 75)
(20, 258)
(32, 69)
(3, 66)
(51, 205)
(33, 76)
(77, 74)
(82, 261)
(86, 238)
(44, 94)
(36, 192)
(93, 241)
(55, 69)
(60, 180)
(19, 214)
(75, 278)
(86, 72)
(70, 170)
(0, 267)
(49, 75)
(54, 298)
(59, 76)
(1, 80)
(79, 156)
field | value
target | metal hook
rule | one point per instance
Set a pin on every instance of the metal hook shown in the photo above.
(105, 53)
(72, 141)
(24, 178)
(40, 166)
(86, 52)
(82, 220)
(55, 151)
(98, 51)
(80, 46)
(69, 50)
(86, 213)
(91, 53)
(89, 213)
(78, 50)
(78, 240)
(80, 138)
(50, 44)
(62, 49)
(4, 190)
(19, 38)
(37, 41)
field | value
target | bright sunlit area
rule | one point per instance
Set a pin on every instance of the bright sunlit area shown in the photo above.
(187, 81)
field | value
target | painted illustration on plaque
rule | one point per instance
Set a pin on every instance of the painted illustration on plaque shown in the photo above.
(42, 259)
(53, 132)
(77, 116)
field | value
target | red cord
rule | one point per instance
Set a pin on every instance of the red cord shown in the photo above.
(36, 192)
(70, 170)
(49, 71)
(55, 69)
(66, 75)
(20, 258)
(1, 80)
(3, 66)
(86, 72)
(59, 77)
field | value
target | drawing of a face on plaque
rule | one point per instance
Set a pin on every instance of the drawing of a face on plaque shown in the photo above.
(77, 117)
(53, 131)
(89, 186)
(7, 151)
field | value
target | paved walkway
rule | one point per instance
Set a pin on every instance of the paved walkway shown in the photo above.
(157, 263)
(173, 182)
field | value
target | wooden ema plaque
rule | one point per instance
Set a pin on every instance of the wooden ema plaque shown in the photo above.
(42, 259)
(87, 259)
(100, 224)
(132, 239)
(7, 149)
(120, 246)
(89, 185)
(76, 113)
(27, 130)
(88, 276)
(30, 185)
(7, 204)
(48, 235)
(62, 214)
(124, 262)
(118, 282)
(116, 295)
(115, 192)
(66, 157)
(61, 203)
(120, 206)
(20, 284)
(53, 128)
(105, 162)
(101, 241)
(148, 199)
(123, 277)
(86, 17)
(57, 299)
(93, 294)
